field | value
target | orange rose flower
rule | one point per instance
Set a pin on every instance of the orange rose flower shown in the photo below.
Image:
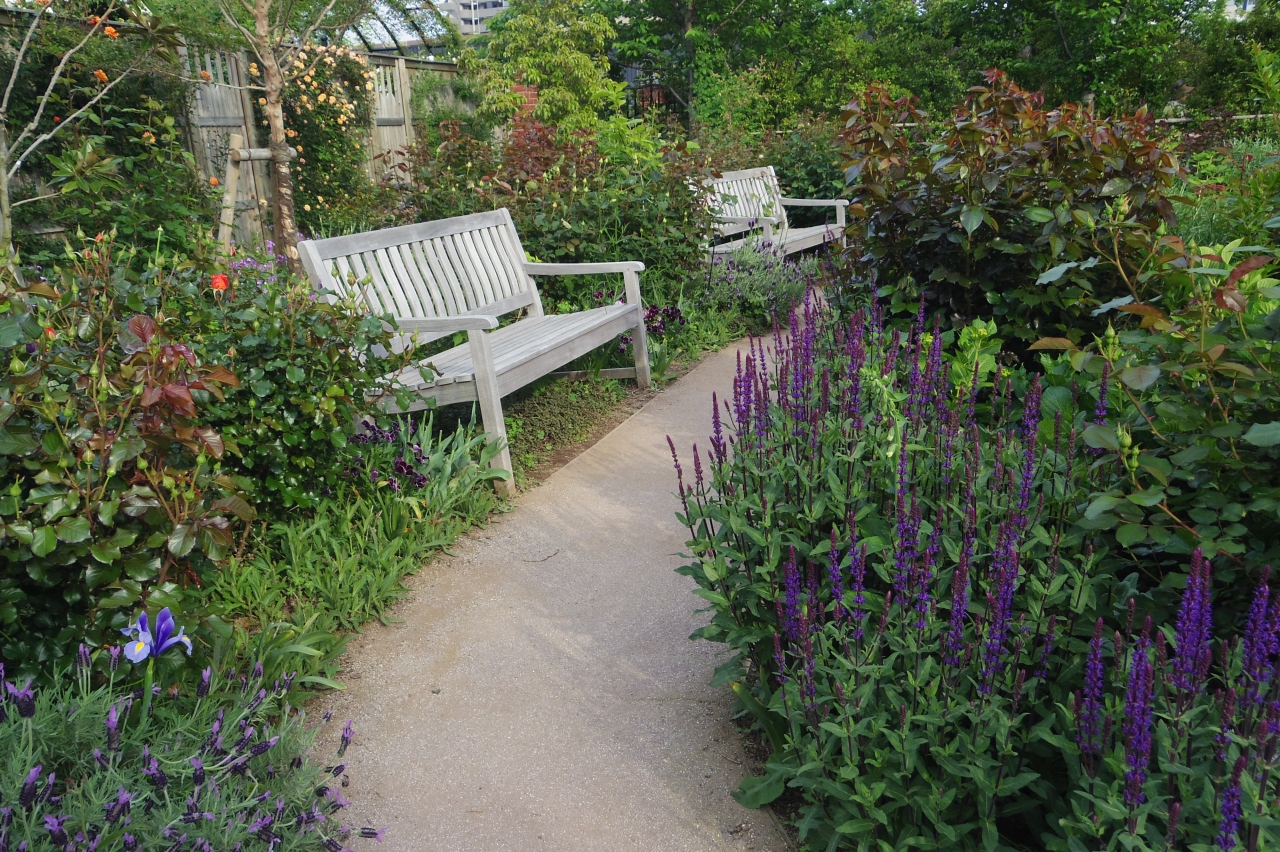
(221, 282)
(94, 20)
(213, 181)
(101, 75)
(111, 32)
(206, 76)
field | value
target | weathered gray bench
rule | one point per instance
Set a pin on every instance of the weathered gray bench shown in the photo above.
(750, 200)
(461, 274)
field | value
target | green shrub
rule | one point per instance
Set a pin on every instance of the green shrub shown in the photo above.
(1010, 211)
(1232, 192)
(1191, 424)
(404, 493)
(760, 283)
(143, 416)
(133, 178)
(574, 200)
(112, 488)
(304, 365)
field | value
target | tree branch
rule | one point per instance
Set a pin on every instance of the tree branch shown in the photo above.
(92, 102)
(17, 63)
(53, 81)
(17, 204)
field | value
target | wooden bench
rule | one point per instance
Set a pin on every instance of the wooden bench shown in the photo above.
(461, 274)
(750, 199)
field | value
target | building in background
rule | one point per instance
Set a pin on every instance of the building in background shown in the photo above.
(471, 16)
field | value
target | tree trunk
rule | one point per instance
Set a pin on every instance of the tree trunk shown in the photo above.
(286, 225)
(6, 216)
(689, 57)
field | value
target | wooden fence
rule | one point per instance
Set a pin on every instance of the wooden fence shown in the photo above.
(222, 107)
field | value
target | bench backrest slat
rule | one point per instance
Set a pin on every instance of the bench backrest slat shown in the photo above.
(749, 193)
(451, 267)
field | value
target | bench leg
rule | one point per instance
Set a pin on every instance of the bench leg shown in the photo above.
(491, 407)
(640, 340)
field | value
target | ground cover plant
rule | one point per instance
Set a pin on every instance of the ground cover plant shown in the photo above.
(937, 648)
(121, 753)
(407, 491)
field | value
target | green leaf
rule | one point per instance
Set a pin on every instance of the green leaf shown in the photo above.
(1038, 214)
(1051, 275)
(1263, 434)
(125, 449)
(74, 529)
(1116, 186)
(1100, 505)
(1149, 497)
(100, 575)
(971, 218)
(1101, 437)
(759, 791)
(43, 541)
(16, 443)
(1131, 534)
(182, 540)
(1140, 378)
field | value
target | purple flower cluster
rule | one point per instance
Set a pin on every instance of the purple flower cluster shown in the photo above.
(1194, 630)
(1089, 730)
(404, 467)
(1138, 711)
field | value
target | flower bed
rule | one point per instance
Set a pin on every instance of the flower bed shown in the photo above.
(928, 633)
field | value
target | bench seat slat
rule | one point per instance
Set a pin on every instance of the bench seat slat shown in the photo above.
(520, 342)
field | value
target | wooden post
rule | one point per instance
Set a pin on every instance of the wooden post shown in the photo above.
(228, 220)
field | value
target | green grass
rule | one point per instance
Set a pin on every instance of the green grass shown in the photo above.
(556, 414)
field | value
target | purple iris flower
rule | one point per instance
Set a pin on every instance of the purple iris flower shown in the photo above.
(142, 644)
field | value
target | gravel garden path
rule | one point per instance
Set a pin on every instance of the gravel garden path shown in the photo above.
(539, 691)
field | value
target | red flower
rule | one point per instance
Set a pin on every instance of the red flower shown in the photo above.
(49, 332)
(221, 282)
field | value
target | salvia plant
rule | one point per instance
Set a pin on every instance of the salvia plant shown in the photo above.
(932, 645)
(89, 762)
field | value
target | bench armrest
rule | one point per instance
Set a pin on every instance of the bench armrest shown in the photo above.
(446, 325)
(815, 202)
(630, 270)
(583, 268)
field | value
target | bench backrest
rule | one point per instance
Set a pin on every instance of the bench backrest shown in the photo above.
(447, 268)
(750, 193)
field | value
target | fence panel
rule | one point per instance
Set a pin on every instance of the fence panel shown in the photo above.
(221, 107)
(392, 118)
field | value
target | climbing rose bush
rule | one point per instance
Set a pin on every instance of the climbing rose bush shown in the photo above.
(925, 632)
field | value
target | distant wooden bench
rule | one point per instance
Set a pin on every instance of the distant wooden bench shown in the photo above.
(750, 200)
(461, 274)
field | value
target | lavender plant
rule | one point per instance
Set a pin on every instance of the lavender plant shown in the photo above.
(759, 282)
(87, 763)
(925, 631)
